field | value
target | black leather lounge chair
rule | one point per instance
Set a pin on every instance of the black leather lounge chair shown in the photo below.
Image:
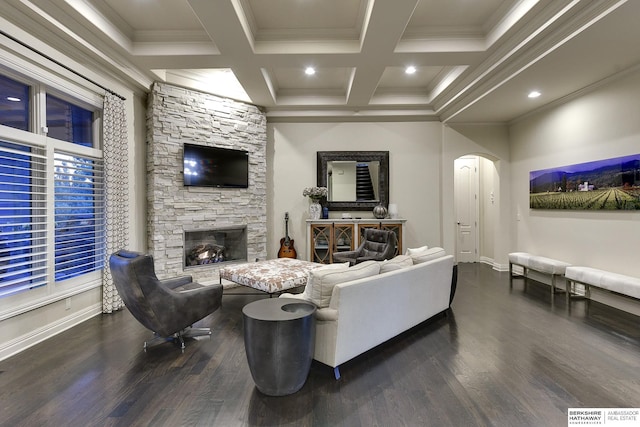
(166, 307)
(377, 245)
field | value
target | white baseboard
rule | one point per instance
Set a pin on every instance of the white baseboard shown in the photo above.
(36, 336)
(493, 264)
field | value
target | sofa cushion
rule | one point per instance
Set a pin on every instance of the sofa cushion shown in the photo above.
(416, 251)
(428, 255)
(322, 280)
(306, 294)
(397, 263)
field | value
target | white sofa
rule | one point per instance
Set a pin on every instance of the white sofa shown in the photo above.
(368, 311)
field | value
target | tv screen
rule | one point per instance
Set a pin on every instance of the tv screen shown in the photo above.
(215, 167)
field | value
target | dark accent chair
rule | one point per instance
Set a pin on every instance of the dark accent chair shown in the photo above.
(377, 245)
(166, 307)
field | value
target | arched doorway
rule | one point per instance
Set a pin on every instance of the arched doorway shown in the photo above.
(475, 210)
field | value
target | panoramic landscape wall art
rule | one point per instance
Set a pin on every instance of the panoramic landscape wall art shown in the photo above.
(611, 184)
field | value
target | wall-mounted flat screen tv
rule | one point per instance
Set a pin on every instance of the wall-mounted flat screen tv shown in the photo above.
(215, 167)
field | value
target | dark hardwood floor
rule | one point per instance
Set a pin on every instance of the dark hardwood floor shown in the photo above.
(501, 357)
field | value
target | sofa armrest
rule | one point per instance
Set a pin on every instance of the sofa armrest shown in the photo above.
(326, 314)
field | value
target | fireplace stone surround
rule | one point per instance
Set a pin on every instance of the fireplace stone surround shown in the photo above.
(175, 116)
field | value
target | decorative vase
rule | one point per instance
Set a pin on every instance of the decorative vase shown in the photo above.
(380, 211)
(315, 209)
(393, 210)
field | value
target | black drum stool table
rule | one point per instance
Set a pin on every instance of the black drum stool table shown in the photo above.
(279, 338)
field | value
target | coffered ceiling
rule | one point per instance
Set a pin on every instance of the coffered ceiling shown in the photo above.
(475, 60)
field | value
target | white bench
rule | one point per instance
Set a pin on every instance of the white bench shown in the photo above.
(614, 282)
(541, 264)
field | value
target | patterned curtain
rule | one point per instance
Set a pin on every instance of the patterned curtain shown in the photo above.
(116, 160)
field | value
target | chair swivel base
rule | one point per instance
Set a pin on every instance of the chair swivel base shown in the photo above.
(178, 337)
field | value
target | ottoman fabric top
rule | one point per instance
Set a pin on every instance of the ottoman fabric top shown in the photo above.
(270, 276)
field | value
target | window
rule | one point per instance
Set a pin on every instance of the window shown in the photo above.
(79, 216)
(23, 260)
(69, 122)
(51, 191)
(14, 104)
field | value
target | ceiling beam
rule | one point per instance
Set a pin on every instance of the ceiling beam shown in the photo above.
(383, 28)
(223, 22)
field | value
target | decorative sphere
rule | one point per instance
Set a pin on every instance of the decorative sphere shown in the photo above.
(380, 212)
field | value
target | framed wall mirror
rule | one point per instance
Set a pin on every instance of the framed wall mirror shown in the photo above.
(355, 180)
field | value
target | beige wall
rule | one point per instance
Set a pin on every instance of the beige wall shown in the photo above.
(598, 125)
(489, 208)
(414, 173)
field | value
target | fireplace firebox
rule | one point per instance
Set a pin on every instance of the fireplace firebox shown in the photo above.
(206, 247)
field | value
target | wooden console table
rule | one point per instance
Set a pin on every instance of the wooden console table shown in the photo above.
(326, 236)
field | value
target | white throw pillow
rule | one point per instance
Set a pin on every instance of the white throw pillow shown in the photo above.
(321, 281)
(416, 251)
(306, 294)
(397, 263)
(428, 255)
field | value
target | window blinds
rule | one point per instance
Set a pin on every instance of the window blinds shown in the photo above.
(79, 215)
(23, 244)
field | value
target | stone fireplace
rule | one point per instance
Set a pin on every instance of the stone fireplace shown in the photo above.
(204, 247)
(182, 217)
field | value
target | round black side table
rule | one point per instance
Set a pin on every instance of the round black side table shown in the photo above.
(279, 339)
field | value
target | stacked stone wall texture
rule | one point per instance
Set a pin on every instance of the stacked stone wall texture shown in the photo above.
(176, 116)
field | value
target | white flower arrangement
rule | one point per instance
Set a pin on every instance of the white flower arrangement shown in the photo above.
(315, 193)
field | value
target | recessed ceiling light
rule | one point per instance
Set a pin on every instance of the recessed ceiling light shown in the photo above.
(534, 94)
(410, 69)
(310, 71)
(13, 99)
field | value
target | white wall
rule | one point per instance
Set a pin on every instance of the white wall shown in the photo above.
(488, 209)
(490, 142)
(414, 173)
(598, 125)
(343, 181)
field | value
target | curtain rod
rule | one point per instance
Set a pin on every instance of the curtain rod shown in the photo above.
(66, 67)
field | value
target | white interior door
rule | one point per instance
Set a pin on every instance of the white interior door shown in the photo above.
(466, 208)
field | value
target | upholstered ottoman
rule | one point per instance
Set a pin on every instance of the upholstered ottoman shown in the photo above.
(271, 276)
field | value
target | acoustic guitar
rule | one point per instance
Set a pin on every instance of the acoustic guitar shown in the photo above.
(286, 244)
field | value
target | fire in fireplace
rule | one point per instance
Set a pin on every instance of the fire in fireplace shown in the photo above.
(206, 254)
(203, 247)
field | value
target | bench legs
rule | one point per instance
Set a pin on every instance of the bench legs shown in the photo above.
(571, 286)
(511, 275)
(524, 275)
(555, 289)
(525, 271)
(571, 294)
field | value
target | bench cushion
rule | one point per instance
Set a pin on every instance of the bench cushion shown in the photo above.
(620, 283)
(520, 258)
(538, 263)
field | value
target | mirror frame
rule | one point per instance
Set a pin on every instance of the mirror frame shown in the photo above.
(358, 156)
